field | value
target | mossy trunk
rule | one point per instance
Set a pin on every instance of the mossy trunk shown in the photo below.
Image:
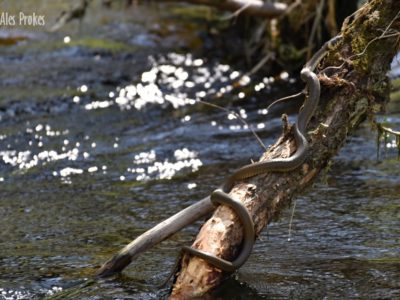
(355, 89)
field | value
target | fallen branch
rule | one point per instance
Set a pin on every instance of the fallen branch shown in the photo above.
(358, 88)
(251, 7)
(156, 235)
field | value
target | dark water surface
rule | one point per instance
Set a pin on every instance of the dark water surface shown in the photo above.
(102, 137)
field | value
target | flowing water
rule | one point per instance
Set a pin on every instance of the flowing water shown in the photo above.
(102, 136)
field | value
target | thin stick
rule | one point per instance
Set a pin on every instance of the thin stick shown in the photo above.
(389, 130)
(291, 221)
(290, 8)
(314, 27)
(260, 64)
(236, 13)
(283, 99)
(239, 117)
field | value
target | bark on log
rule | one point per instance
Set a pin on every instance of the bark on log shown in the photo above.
(355, 90)
(250, 7)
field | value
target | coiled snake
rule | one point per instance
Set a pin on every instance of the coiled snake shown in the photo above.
(220, 195)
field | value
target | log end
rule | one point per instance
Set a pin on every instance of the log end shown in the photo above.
(114, 265)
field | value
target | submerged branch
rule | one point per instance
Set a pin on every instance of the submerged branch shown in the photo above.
(155, 235)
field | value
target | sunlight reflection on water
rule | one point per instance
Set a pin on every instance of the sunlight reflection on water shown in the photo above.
(171, 80)
(150, 168)
(107, 146)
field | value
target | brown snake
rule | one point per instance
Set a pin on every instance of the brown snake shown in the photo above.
(220, 195)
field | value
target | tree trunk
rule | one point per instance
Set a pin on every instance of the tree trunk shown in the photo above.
(355, 90)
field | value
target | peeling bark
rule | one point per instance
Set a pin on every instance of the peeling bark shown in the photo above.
(355, 90)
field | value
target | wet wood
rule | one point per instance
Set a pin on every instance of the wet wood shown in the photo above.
(154, 236)
(355, 90)
(249, 7)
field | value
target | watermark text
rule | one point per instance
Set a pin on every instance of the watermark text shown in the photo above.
(21, 19)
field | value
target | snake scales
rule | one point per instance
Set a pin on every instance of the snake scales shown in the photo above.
(220, 195)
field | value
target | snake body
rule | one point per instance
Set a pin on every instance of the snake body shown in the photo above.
(220, 195)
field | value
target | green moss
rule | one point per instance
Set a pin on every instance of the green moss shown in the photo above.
(385, 260)
(362, 58)
(395, 96)
(38, 93)
(101, 44)
(291, 54)
(395, 84)
(36, 46)
(191, 12)
(367, 43)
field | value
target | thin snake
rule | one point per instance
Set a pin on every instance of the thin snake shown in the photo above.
(221, 195)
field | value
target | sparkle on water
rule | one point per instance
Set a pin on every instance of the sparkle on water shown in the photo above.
(67, 40)
(149, 168)
(71, 152)
(171, 81)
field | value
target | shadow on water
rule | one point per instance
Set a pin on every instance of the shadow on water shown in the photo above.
(102, 137)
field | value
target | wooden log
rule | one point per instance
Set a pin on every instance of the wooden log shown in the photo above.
(355, 89)
(250, 7)
(155, 235)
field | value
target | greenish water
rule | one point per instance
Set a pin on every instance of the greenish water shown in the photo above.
(101, 138)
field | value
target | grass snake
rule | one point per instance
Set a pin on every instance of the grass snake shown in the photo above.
(220, 195)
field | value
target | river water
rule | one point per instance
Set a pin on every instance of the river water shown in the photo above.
(102, 136)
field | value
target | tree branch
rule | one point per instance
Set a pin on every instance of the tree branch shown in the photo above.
(250, 7)
(352, 92)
